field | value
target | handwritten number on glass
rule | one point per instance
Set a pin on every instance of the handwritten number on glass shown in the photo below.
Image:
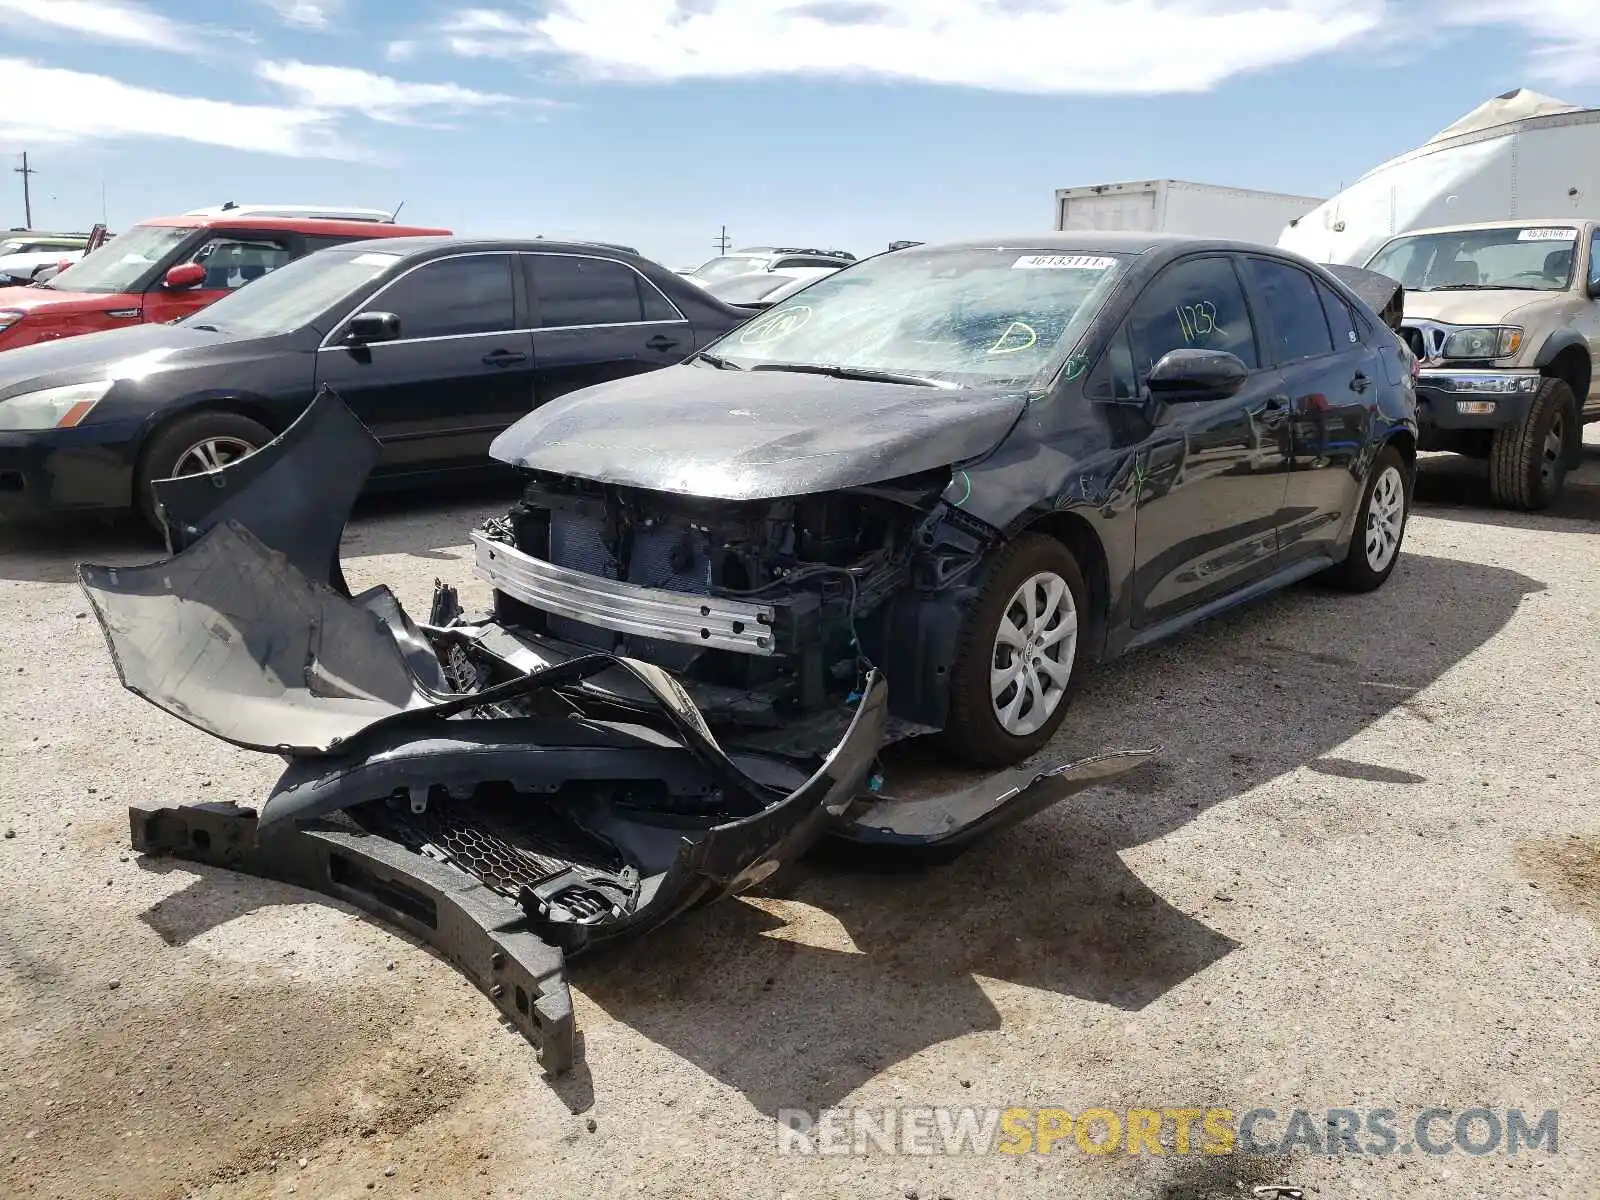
(1198, 320)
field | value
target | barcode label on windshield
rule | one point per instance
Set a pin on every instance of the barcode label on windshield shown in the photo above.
(1548, 235)
(1063, 262)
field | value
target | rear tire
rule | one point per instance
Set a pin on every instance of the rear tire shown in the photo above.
(197, 442)
(1528, 463)
(1380, 526)
(1020, 654)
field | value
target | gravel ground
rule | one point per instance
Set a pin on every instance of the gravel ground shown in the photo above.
(1365, 875)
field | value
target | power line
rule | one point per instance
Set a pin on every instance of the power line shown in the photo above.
(27, 199)
(723, 241)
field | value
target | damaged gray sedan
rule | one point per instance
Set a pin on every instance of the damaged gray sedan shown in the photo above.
(919, 497)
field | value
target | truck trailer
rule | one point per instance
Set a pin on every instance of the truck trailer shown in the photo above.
(1177, 206)
(1520, 155)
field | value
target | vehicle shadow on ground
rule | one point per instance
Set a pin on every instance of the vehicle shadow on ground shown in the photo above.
(797, 1019)
(1453, 488)
(418, 523)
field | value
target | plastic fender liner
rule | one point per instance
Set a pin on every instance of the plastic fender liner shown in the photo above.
(940, 827)
(484, 935)
(294, 494)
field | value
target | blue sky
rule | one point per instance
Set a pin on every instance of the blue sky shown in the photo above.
(844, 123)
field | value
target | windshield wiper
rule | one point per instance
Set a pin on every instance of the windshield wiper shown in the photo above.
(865, 374)
(717, 361)
(1484, 287)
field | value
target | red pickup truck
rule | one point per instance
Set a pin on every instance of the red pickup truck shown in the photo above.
(168, 267)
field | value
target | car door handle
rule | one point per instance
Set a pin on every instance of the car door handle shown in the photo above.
(661, 342)
(503, 358)
(1360, 383)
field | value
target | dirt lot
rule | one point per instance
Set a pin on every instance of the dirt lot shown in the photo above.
(1366, 875)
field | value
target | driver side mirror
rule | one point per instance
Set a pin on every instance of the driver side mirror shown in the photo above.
(372, 327)
(183, 277)
(1192, 377)
(1592, 289)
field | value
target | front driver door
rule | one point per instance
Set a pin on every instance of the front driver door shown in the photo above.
(460, 371)
(1211, 474)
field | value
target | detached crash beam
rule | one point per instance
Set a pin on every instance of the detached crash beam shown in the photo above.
(483, 934)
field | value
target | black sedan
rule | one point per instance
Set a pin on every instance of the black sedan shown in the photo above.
(438, 344)
(925, 493)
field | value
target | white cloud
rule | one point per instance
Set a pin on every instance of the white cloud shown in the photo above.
(126, 21)
(84, 107)
(307, 14)
(379, 97)
(1033, 46)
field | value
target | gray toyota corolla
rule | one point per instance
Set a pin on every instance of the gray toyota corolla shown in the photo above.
(924, 494)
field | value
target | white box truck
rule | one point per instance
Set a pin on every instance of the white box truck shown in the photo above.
(1517, 156)
(1177, 206)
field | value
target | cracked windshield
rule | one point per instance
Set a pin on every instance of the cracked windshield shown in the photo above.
(959, 316)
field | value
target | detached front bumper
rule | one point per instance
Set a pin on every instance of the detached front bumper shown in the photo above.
(1474, 398)
(508, 807)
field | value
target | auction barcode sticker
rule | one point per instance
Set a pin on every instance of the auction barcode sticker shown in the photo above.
(1063, 262)
(1547, 235)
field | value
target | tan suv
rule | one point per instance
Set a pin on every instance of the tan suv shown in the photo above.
(1505, 319)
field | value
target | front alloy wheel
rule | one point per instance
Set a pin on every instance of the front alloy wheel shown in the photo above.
(1034, 649)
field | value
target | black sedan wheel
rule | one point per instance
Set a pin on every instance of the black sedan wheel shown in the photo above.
(1017, 661)
(204, 441)
(1380, 526)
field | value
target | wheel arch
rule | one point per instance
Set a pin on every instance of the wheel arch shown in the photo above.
(241, 404)
(1073, 530)
(1565, 356)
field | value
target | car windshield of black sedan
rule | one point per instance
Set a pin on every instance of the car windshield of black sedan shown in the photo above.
(1511, 258)
(117, 265)
(296, 294)
(962, 316)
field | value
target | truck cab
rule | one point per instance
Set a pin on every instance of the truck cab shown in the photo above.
(168, 267)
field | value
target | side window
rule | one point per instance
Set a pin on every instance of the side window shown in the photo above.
(233, 262)
(453, 296)
(573, 290)
(655, 305)
(1197, 304)
(1594, 257)
(1113, 378)
(1299, 326)
(1341, 320)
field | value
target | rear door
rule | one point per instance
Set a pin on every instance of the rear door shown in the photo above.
(230, 259)
(460, 371)
(598, 319)
(1329, 378)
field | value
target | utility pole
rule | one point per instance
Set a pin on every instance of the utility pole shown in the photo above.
(27, 199)
(723, 241)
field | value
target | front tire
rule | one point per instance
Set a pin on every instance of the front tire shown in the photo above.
(1528, 462)
(1019, 656)
(202, 441)
(1380, 526)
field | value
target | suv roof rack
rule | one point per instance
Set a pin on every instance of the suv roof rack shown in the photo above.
(312, 212)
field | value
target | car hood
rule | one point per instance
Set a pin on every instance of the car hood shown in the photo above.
(755, 435)
(1474, 307)
(44, 301)
(38, 258)
(114, 354)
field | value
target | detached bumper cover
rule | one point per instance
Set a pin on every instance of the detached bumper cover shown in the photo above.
(526, 818)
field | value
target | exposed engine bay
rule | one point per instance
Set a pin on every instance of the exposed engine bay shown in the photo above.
(672, 700)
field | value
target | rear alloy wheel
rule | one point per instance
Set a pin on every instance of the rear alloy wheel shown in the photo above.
(1380, 526)
(1016, 665)
(1528, 462)
(191, 445)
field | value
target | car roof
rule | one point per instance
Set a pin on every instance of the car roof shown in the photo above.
(308, 225)
(1097, 241)
(417, 245)
(1505, 223)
